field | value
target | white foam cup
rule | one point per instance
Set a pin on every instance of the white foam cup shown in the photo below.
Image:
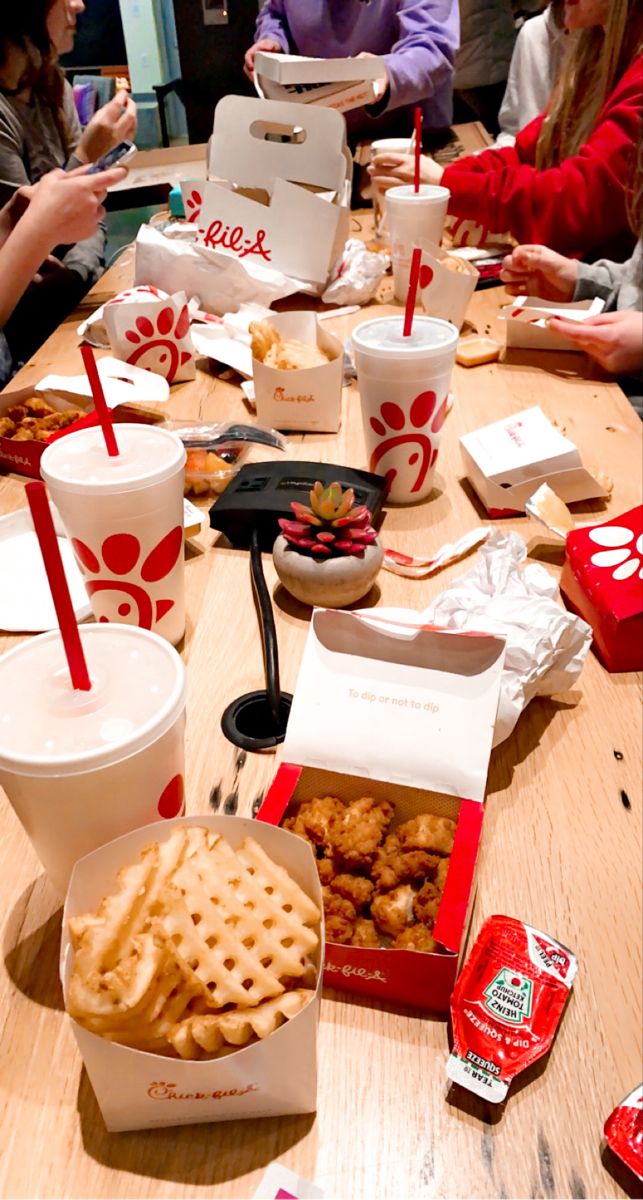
(404, 392)
(124, 516)
(81, 768)
(413, 216)
(383, 146)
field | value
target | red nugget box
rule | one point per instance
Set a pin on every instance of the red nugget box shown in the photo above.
(389, 708)
(602, 580)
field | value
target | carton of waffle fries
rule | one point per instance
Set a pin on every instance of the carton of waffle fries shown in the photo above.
(447, 283)
(298, 371)
(190, 963)
(384, 774)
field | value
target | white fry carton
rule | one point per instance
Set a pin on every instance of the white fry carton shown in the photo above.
(526, 321)
(447, 283)
(508, 460)
(138, 1090)
(289, 205)
(339, 83)
(308, 399)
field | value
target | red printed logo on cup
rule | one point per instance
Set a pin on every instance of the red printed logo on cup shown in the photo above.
(157, 346)
(391, 425)
(234, 238)
(119, 556)
(171, 801)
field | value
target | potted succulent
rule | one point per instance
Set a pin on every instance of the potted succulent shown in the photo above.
(329, 554)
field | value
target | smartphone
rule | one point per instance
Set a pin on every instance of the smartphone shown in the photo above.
(118, 156)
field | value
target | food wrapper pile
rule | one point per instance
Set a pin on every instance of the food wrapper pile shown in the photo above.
(356, 276)
(546, 645)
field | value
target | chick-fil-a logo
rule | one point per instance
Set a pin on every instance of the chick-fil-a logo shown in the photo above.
(234, 238)
(165, 1091)
(359, 972)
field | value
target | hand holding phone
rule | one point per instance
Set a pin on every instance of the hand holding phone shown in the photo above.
(118, 155)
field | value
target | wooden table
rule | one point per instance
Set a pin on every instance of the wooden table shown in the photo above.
(561, 849)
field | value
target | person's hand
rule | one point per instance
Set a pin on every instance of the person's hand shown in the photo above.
(538, 271)
(113, 123)
(381, 84)
(267, 44)
(66, 206)
(614, 339)
(388, 169)
(13, 210)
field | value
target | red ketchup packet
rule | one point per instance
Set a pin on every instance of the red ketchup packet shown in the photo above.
(506, 1005)
(624, 1131)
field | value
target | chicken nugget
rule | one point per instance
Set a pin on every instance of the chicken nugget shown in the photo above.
(393, 865)
(416, 937)
(37, 407)
(365, 934)
(338, 929)
(441, 873)
(23, 435)
(355, 888)
(316, 816)
(339, 917)
(393, 911)
(427, 832)
(325, 870)
(426, 904)
(7, 427)
(17, 413)
(356, 835)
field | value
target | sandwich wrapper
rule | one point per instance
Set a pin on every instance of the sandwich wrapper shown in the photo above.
(123, 384)
(446, 292)
(139, 1090)
(357, 275)
(282, 198)
(309, 399)
(546, 645)
(226, 339)
(380, 709)
(222, 281)
(508, 460)
(526, 321)
(152, 331)
(339, 83)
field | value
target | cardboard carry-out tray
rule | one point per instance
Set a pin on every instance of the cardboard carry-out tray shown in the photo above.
(381, 708)
(138, 1090)
(508, 460)
(339, 83)
(525, 321)
(122, 384)
(290, 209)
(309, 399)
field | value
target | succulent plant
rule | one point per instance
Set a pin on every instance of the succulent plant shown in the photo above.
(331, 525)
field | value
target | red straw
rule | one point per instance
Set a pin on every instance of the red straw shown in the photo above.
(418, 148)
(50, 550)
(102, 411)
(414, 279)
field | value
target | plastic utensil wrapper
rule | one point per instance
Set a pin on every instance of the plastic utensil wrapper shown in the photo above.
(506, 1005)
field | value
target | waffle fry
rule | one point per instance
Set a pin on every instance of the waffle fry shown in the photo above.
(293, 355)
(194, 928)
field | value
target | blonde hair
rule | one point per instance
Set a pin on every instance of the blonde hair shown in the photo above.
(592, 69)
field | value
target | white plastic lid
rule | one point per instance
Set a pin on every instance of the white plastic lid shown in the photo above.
(48, 728)
(406, 192)
(383, 337)
(79, 462)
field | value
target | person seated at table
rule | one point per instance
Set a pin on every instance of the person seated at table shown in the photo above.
(562, 184)
(417, 40)
(62, 207)
(536, 63)
(39, 131)
(487, 37)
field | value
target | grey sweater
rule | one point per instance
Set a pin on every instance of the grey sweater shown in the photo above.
(30, 146)
(621, 286)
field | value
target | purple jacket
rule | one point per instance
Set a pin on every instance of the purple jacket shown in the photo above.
(416, 38)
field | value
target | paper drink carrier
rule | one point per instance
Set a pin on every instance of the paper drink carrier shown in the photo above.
(389, 708)
(139, 1090)
(279, 203)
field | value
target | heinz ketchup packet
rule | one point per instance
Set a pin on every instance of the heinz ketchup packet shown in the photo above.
(506, 1005)
(624, 1131)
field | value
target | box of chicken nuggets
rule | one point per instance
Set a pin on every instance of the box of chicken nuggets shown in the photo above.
(298, 372)
(387, 753)
(191, 968)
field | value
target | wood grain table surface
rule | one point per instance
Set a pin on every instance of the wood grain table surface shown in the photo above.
(561, 850)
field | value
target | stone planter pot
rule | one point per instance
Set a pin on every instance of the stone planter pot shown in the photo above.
(331, 582)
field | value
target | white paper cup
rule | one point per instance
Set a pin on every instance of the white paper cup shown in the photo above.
(384, 146)
(81, 768)
(447, 284)
(404, 386)
(124, 516)
(413, 216)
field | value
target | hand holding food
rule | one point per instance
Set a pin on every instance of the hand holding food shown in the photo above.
(613, 339)
(539, 271)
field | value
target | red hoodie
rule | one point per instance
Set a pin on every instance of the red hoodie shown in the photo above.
(578, 208)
